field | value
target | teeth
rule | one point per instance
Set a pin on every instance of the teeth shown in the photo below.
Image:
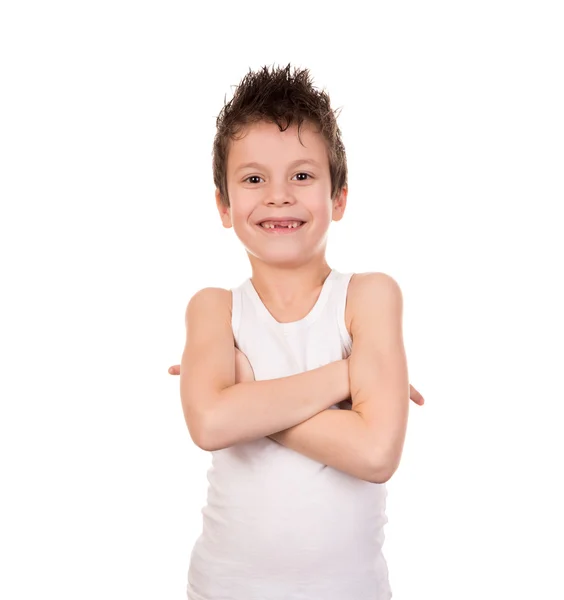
(271, 225)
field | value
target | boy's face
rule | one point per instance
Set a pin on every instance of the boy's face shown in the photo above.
(280, 184)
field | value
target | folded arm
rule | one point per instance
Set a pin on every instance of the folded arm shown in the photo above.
(367, 441)
(219, 412)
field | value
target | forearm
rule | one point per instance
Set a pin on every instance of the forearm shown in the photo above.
(251, 410)
(337, 438)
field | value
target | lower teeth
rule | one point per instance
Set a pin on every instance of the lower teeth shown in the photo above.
(283, 227)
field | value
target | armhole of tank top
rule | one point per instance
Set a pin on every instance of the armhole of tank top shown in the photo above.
(235, 312)
(341, 308)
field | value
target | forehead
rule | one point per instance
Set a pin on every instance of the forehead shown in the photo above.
(264, 142)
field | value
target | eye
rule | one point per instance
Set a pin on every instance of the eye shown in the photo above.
(306, 174)
(251, 177)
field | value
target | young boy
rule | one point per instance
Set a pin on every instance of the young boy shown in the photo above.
(297, 497)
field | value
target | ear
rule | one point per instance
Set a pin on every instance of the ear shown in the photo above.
(224, 211)
(339, 204)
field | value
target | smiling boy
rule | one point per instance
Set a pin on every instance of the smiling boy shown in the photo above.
(296, 499)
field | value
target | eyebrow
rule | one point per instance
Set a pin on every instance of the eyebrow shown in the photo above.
(295, 163)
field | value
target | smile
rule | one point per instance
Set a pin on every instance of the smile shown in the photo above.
(281, 229)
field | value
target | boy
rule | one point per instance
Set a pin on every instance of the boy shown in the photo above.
(296, 500)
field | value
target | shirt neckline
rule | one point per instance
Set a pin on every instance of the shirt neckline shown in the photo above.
(265, 314)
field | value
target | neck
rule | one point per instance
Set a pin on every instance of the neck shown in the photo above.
(284, 286)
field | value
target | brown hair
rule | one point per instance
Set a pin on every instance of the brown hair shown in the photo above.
(278, 96)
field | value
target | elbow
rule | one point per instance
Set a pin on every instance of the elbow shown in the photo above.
(381, 470)
(200, 433)
(201, 441)
(204, 439)
(380, 476)
(197, 436)
(211, 437)
(210, 444)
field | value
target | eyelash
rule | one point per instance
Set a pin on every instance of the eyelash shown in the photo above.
(300, 173)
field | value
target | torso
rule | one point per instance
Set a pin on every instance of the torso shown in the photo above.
(277, 524)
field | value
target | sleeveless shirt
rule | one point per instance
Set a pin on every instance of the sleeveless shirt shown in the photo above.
(278, 525)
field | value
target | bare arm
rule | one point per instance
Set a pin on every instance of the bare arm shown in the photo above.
(378, 369)
(220, 413)
(337, 438)
(330, 437)
(367, 441)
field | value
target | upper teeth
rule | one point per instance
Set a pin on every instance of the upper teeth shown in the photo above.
(271, 224)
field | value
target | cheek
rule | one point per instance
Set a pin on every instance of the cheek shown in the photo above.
(239, 208)
(241, 222)
(322, 214)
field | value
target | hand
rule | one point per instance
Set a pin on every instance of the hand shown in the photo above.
(244, 372)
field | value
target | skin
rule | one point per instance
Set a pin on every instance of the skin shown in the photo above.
(287, 271)
(244, 372)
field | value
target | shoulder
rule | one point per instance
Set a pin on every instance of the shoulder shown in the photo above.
(372, 294)
(209, 299)
(373, 283)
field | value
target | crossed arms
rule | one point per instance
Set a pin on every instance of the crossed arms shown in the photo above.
(366, 441)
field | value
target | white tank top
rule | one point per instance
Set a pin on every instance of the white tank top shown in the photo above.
(278, 525)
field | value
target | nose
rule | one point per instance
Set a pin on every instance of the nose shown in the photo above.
(280, 195)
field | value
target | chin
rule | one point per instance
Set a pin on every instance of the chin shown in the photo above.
(287, 260)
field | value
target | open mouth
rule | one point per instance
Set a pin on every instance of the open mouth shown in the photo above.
(282, 227)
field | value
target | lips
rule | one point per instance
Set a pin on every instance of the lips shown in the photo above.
(275, 227)
(281, 224)
(281, 221)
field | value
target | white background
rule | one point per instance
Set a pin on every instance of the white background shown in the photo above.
(452, 116)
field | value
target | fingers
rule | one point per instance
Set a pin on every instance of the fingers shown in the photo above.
(415, 396)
